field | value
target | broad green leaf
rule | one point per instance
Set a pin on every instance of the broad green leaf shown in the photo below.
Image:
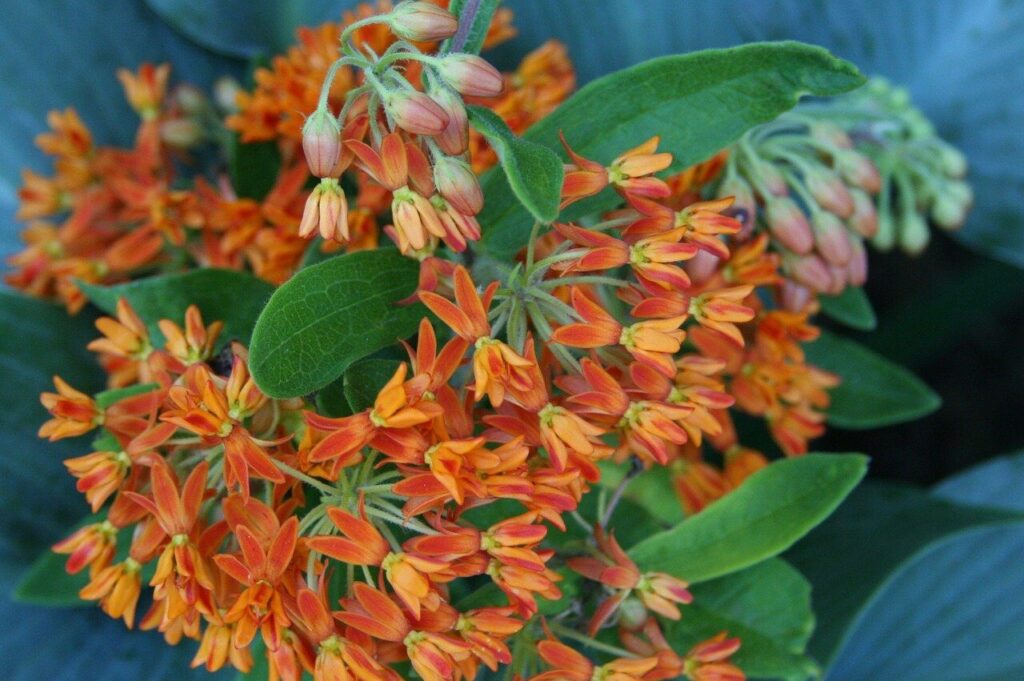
(698, 103)
(874, 392)
(115, 395)
(766, 515)
(768, 606)
(532, 171)
(364, 379)
(253, 166)
(930, 575)
(851, 307)
(470, 37)
(234, 298)
(330, 315)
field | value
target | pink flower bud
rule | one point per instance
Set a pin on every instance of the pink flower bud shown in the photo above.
(744, 207)
(789, 226)
(416, 112)
(422, 22)
(830, 238)
(321, 142)
(857, 268)
(701, 267)
(829, 191)
(471, 75)
(455, 138)
(831, 135)
(811, 271)
(771, 178)
(858, 170)
(840, 279)
(457, 183)
(864, 220)
(794, 297)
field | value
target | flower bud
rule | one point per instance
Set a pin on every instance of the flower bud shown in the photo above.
(913, 232)
(840, 279)
(864, 220)
(771, 178)
(811, 271)
(454, 140)
(793, 296)
(416, 112)
(457, 183)
(744, 207)
(954, 163)
(831, 134)
(191, 99)
(951, 205)
(321, 142)
(829, 191)
(632, 614)
(858, 170)
(830, 238)
(857, 268)
(701, 267)
(181, 133)
(422, 22)
(885, 238)
(789, 226)
(225, 94)
(471, 75)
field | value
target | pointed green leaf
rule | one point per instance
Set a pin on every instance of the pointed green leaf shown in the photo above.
(532, 171)
(330, 315)
(115, 395)
(874, 392)
(851, 307)
(698, 103)
(232, 297)
(768, 606)
(771, 510)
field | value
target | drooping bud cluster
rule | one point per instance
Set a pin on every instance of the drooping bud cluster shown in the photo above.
(418, 134)
(831, 175)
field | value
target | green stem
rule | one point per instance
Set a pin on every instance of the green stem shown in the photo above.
(299, 475)
(566, 632)
(587, 279)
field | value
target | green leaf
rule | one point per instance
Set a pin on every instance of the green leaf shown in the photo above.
(115, 395)
(771, 510)
(698, 103)
(768, 606)
(532, 171)
(852, 308)
(329, 315)
(476, 32)
(364, 379)
(874, 392)
(232, 297)
(253, 166)
(917, 557)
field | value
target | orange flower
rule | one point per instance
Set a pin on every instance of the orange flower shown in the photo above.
(709, 660)
(498, 370)
(93, 546)
(570, 665)
(261, 569)
(631, 171)
(146, 90)
(721, 310)
(127, 336)
(196, 342)
(599, 251)
(701, 223)
(117, 588)
(74, 413)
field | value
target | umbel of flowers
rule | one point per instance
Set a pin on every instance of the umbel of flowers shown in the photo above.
(357, 546)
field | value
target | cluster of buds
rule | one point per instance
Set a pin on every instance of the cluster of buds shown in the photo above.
(828, 176)
(409, 134)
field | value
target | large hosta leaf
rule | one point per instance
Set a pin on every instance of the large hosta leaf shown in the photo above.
(697, 103)
(765, 516)
(935, 591)
(64, 53)
(960, 59)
